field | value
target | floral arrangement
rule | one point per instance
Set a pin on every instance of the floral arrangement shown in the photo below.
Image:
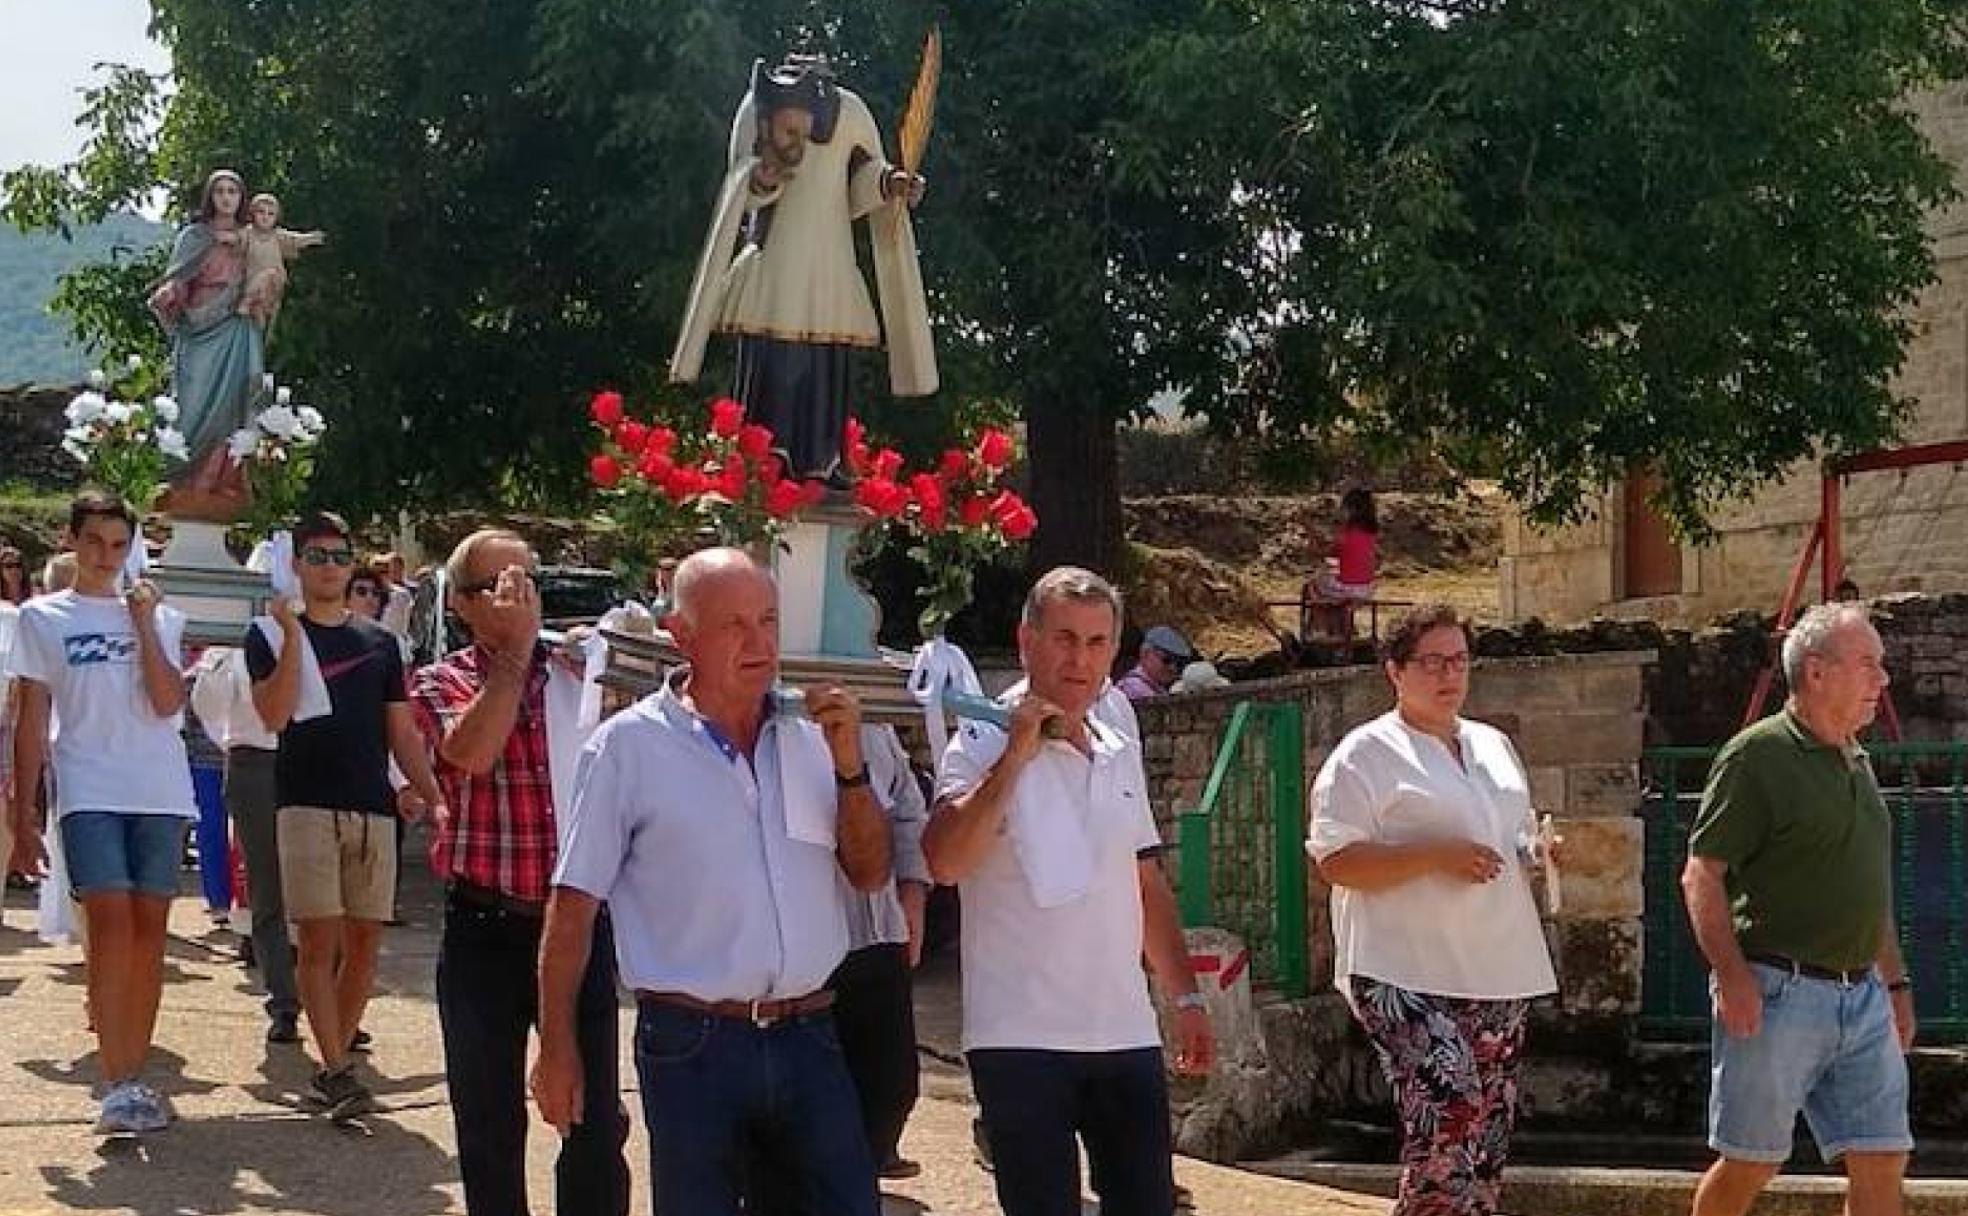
(661, 482)
(958, 516)
(277, 449)
(122, 440)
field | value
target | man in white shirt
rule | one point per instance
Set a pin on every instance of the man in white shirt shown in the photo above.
(222, 697)
(718, 833)
(1047, 830)
(108, 665)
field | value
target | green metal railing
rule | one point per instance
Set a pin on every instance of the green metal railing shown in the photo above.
(1925, 791)
(1241, 851)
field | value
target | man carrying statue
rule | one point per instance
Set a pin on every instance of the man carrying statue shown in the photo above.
(779, 270)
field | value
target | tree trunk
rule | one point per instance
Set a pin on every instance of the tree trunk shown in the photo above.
(1076, 486)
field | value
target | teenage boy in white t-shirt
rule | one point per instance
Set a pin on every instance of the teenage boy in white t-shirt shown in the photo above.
(1046, 829)
(109, 665)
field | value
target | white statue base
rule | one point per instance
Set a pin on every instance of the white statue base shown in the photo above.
(199, 576)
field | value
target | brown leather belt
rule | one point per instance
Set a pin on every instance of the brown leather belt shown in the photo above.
(758, 1013)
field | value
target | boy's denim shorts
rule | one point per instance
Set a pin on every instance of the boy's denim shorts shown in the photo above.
(1827, 1049)
(114, 851)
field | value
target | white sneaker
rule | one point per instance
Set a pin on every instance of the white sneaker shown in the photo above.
(121, 1111)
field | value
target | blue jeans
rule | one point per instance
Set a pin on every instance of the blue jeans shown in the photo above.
(113, 851)
(1827, 1049)
(717, 1090)
(1035, 1102)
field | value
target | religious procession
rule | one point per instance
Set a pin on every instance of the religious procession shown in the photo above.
(666, 658)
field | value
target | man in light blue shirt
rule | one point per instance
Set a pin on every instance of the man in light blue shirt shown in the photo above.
(718, 833)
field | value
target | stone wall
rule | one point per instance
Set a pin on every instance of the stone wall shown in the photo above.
(31, 422)
(1899, 533)
(1577, 721)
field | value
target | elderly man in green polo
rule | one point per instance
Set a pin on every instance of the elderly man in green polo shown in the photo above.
(1788, 884)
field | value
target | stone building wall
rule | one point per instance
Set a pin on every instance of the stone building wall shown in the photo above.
(1899, 533)
(1577, 722)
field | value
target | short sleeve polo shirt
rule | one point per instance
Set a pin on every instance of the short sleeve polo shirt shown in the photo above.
(1808, 842)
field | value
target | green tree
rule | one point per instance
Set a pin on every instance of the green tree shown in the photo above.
(1569, 240)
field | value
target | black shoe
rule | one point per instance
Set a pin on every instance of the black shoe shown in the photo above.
(361, 1040)
(283, 1028)
(340, 1094)
(899, 1168)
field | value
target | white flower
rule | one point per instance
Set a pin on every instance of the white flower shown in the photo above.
(118, 411)
(75, 447)
(283, 395)
(135, 363)
(96, 378)
(280, 422)
(164, 408)
(312, 422)
(85, 407)
(171, 442)
(244, 442)
(266, 381)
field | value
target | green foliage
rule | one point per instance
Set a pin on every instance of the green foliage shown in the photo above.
(1555, 240)
(1567, 240)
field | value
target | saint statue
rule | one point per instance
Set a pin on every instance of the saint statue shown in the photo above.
(779, 270)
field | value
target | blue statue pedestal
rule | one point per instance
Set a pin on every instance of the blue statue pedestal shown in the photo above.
(827, 623)
(218, 596)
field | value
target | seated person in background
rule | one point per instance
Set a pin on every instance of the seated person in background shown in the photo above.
(1348, 575)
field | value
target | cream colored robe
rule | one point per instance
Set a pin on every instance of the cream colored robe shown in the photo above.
(804, 285)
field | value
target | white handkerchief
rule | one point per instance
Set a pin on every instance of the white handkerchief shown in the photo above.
(806, 781)
(567, 734)
(274, 557)
(54, 921)
(1049, 835)
(313, 702)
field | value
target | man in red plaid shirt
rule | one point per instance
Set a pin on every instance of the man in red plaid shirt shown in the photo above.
(484, 710)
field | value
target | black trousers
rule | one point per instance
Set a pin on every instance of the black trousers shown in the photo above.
(875, 1017)
(1035, 1102)
(488, 1004)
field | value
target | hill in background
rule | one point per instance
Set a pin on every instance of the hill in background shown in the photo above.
(34, 343)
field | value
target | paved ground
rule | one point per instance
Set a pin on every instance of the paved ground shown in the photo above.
(245, 1143)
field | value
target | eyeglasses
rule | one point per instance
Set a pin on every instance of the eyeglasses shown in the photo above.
(364, 590)
(1437, 664)
(315, 555)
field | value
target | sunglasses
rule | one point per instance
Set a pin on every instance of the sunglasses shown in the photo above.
(315, 555)
(365, 591)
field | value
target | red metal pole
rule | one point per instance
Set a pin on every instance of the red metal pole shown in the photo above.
(1786, 612)
(1834, 557)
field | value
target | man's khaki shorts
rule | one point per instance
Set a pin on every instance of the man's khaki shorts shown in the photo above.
(336, 863)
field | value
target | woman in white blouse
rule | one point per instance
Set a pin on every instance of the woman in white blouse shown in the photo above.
(1422, 823)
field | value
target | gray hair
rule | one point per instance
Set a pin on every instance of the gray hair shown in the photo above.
(702, 567)
(458, 566)
(1812, 636)
(1069, 583)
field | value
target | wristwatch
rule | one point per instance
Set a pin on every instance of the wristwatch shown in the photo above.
(1191, 1000)
(1903, 984)
(847, 783)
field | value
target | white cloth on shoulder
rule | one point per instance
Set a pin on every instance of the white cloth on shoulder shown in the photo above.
(313, 701)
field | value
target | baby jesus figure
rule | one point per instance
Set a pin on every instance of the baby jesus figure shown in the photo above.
(268, 246)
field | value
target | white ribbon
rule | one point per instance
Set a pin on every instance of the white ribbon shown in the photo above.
(594, 657)
(940, 664)
(135, 561)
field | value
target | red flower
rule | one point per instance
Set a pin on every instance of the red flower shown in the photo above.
(973, 511)
(995, 448)
(755, 441)
(853, 435)
(727, 416)
(730, 480)
(784, 498)
(954, 466)
(770, 470)
(605, 407)
(1013, 517)
(654, 467)
(930, 505)
(883, 497)
(661, 439)
(631, 435)
(684, 483)
(813, 493)
(605, 471)
(887, 463)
